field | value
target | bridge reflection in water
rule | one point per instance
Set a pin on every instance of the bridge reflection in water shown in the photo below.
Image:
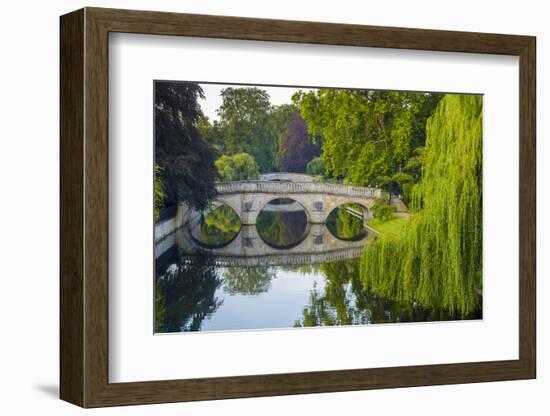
(282, 236)
(248, 249)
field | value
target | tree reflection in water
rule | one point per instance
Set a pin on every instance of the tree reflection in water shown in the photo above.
(217, 227)
(344, 301)
(248, 281)
(344, 225)
(282, 229)
(338, 303)
(185, 295)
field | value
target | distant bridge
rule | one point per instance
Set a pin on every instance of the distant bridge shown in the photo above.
(287, 177)
(248, 198)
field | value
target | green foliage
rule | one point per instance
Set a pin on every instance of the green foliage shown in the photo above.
(158, 189)
(212, 133)
(402, 178)
(414, 164)
(405, 181)
(437, 261)
(238, 167)
(187, 161)
(316, 167)
(382, 211)
(245, 124)
(367, 135)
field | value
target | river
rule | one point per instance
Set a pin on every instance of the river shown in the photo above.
(284, 272)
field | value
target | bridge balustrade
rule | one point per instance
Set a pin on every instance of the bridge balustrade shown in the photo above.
(283, 259)
(296, 187)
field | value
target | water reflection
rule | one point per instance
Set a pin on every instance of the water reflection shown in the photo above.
(281, 273)
(344, 301)
(196, 296)
(282, 223)
(346, 222)
(216, 227)
(248, 281)
(186, 294)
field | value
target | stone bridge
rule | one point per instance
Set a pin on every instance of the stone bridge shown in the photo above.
(318, 199)
(287, 177)
(248, 249)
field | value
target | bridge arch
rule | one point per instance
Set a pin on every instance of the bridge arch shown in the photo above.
(283, 238)
(365, 208)
(295, 206)
(351, 226)
(247, 198)
(211, 237)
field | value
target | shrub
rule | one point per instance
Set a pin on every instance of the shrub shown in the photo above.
(382, 210)
(316, 167)
(238, 167)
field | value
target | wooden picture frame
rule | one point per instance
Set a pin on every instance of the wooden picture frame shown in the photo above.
(84, 207)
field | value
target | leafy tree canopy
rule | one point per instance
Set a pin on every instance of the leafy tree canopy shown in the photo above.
(212, 133)
(367, 135)
(316, 167)
(244, 120)
(238, 167)
(185, 159)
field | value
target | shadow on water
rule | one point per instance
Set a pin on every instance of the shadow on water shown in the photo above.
(185, 294)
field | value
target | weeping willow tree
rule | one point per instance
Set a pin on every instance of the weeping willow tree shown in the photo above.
(437, 260)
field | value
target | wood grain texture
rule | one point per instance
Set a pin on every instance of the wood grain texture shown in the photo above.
(84, 207)
(527, 208)
(71, 208)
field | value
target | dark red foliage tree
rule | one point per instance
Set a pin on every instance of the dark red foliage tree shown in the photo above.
(298, 147)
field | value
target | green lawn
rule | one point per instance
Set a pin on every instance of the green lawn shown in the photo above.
(391, 227)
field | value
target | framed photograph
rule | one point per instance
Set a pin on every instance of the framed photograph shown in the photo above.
(256, 207)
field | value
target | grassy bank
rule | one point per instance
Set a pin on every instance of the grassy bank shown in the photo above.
(392, 227)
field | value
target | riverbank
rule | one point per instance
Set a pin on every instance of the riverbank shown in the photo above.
(392, 227)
